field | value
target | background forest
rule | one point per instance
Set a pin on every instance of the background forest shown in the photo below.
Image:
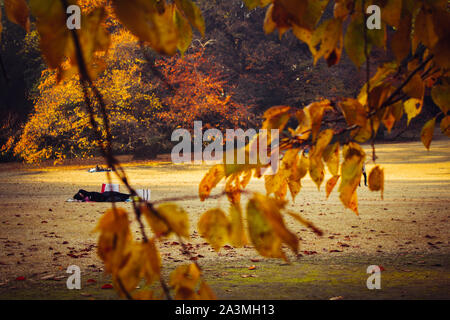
(226, 79)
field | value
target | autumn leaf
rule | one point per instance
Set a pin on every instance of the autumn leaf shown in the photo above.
(413, 107)
(316, 111)
(114, 240)
(351, 170)
(252, 4)
(17, 12)
(205, 292)
(210, 180)
(297, 172)
(266, 227)
(354, 112)
(426, 135)
(316, 167)
(276, 118)
(214, 226)
(144, 295)
(151, 22)
(184, 280)
(383, 72)
(193, 14)
(144, 262)
(55, 39)
(184, 31)
(328, 37)
(304, 127)
(237, 233)
(376, 180)
(331, 158)
(166, 219)
(330, 184)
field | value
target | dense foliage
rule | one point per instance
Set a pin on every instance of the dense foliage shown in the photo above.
(331, 130)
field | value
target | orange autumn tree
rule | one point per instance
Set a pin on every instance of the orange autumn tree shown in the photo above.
(199, 93)
(332, 130)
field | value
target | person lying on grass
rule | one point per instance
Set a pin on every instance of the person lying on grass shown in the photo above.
(107, 196)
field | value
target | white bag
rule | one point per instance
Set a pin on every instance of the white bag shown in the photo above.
(144, 194)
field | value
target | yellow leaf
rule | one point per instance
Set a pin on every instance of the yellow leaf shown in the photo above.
(316, 111)
(351, 170)
(304, 127)
(316, 167)
(252, 4)
(376, 180)
(151, 22)
(144, 262)
(17, 12)
(426, 135)
(276, 118)
(354, 112)
(183, 293)
(237, 232)
(214, 227)
(269, 25)
(382, 73)
(55, 39)
(329, 36)
(316, 170)
(184, 31)
(185, 276)
(413, 107)
(114, 239)
(266, 227)
(445, 126)
(193, 14)
(143, 295)
(298, 171)
(167, 218)
(233, 188)
(331, 158)
(205, 292)
(330, 184)
(210, 180)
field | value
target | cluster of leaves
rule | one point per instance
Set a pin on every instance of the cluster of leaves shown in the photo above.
(420, 66)
(130, 262)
